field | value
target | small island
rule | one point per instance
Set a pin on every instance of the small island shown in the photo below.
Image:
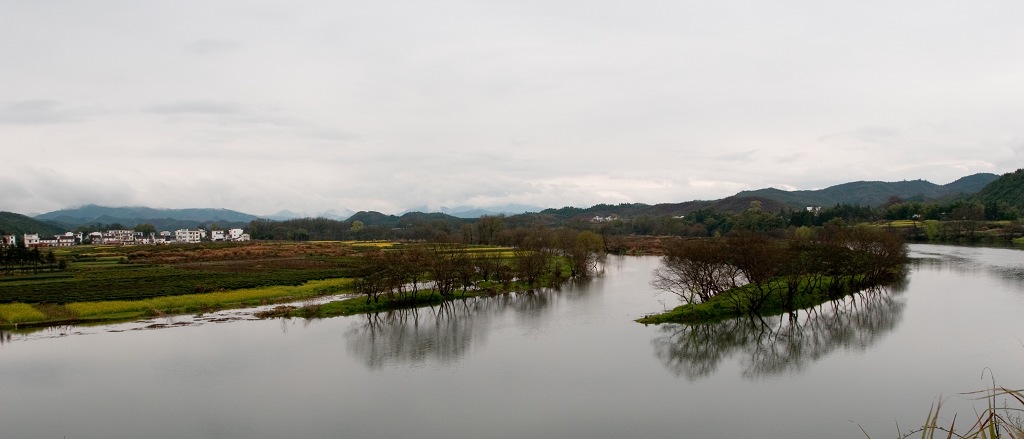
(757, 275)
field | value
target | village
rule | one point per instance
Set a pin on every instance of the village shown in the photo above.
(126, 237)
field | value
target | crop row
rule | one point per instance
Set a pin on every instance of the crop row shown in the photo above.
(147, 282)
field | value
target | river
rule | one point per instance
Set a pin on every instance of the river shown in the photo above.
(561, 363)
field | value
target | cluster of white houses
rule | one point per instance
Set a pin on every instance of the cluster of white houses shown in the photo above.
(126, 237)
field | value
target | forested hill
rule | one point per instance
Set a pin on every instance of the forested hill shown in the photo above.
(1008, 189)
(732, 204)
(876, 193)
(132, 216)
(17, 224)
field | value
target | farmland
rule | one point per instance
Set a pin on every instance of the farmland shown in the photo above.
(126, 281)
(106, 283)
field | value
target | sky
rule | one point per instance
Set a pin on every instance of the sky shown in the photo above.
(335, 106)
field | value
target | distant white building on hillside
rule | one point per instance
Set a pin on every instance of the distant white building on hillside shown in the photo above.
(188, 236)
(238, 235)
(30, 239)
(9, 241)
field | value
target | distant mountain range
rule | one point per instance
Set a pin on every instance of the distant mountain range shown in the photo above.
(329, 214)
(984, 187)
(163, 219)
(467, 212)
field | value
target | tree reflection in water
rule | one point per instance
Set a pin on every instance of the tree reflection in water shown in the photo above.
(774, 345)
(440, 333)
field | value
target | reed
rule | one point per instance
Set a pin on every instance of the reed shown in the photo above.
(1001, 417)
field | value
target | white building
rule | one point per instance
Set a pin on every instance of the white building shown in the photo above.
(238, 235)
(216, 235)
(190, 236)
(65, 240)
(9, 241)
(31, 239)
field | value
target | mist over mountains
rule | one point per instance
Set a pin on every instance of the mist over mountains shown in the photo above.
(867, 193)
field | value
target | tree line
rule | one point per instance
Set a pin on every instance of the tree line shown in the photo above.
(948, 221)
(544, 257)
(23, 260)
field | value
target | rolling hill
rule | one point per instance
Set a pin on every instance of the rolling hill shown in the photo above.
(875, 193)
(1008, 188)
(132, 216)
(17, 224)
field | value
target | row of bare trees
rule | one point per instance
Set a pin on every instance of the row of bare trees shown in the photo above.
(760, 269)
(543, 257)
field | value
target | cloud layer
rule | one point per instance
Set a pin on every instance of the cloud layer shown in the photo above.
(316, 105)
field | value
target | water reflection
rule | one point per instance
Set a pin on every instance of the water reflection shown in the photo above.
(1007, 266)
(776, 345)
(442, 333)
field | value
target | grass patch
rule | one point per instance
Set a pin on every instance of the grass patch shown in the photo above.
(16, 313)
(731, 303)
(200, 302)
(902, 223)
(115, 310)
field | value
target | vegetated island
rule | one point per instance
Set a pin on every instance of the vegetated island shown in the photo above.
(755, 275)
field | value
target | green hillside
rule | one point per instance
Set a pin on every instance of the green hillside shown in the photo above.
(875, 193)
(1008, 189)
(17, 224)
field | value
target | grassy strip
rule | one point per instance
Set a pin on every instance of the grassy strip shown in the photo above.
(14, 313)
(117, 310)
(730, 304)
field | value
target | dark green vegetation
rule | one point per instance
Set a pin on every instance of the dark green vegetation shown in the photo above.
(874, 193)
(1007, 190)
(754, 275)
(17, 224)
(24, 261)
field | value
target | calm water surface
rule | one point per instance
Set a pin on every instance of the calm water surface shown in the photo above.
(566, 363)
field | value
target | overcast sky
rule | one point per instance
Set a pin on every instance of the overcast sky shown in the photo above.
(312, 106)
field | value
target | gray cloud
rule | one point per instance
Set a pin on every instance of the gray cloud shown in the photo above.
(195, 107)
(37, 111)
(212, 46)
(316, 105)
